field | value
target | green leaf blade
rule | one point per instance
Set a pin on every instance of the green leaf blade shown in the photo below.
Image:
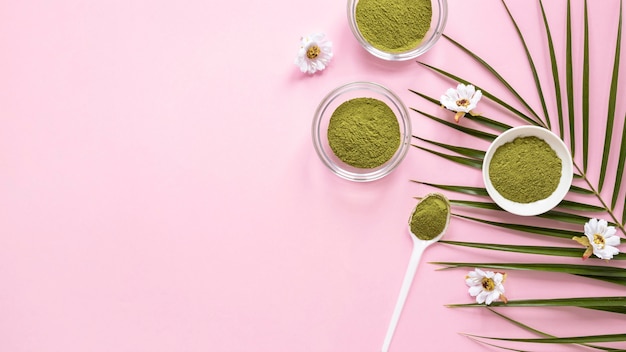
(473, 132)
(569, 74)
(555, 71)
(489, 68)
(612, 101)
(620, 170)
(486, 94)
(475, 191)
(585, 89)
(533, 69)
(544, 231)
(536, 250)
(477, 164)
(468, 152)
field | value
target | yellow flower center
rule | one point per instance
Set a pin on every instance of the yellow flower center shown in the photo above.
(488, 284)
(313, 52)
(599, 240)
(463, 102)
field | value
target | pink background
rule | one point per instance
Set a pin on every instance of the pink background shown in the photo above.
(159, 190)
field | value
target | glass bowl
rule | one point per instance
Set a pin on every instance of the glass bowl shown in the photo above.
(322, 118)
(437, 25)
(543, 205)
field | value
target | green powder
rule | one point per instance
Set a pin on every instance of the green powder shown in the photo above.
(429, 218)
(525, 170)
(393, 25)
(364, 132)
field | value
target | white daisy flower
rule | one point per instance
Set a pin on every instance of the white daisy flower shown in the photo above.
(486, 286)
(463, 100)
(314, 54)
(601, 239)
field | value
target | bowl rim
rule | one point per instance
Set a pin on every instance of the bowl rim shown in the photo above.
(422, 48)
(404, 122)
(543, 205)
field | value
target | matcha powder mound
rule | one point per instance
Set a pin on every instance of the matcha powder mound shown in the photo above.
(364, 132)
(393, 25)
(429, 218)
(525, 170)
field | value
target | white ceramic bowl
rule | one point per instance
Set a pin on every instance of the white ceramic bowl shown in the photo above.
(543, 205)
(437, 25)
(322, 117)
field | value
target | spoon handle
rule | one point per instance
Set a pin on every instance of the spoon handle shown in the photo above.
(416, 254)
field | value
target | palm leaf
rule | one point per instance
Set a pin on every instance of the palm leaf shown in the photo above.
(473, 132)
(517, 323)
(469, 152)
(620, 170)
(570, 79)
(618, 310)
(612, 100)
(475, 191)
(582, 302)
(457, 159)
(544, 231)
(585, 89)
(478, 118)
(539, 250)
(532, 68)
(563, 340)
(590, 271)
(555, 71)
(474, 204)
(568, 204)
(494, 345)
(537, 122)
(565, 217)
(580, 190)
(540, 333)
(485, 94)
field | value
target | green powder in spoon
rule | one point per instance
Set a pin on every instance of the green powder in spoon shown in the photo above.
(429, 218)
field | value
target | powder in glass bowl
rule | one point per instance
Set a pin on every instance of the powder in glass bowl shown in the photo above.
(364, 132)
(393, 25)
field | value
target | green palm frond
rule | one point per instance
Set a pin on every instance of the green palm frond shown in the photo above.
(608, 137)
(555, 71)
(470, 131)
(540, 250)
(565, 204)
(496, 125)
(538, 332)
(476, 191)
(471, 162)
(486, 94)
(537, 121)
(605, 273)
(563, 340)
(569, 79)
(580, 302)
(533, 69)
(620, 171)
(588, 194)
(585, 89)
(468, 152)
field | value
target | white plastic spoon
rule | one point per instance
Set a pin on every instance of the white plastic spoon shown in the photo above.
(419, 245)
